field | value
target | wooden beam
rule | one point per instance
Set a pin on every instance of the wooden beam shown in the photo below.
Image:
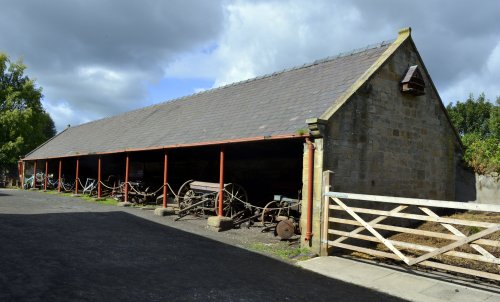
(418, 247)
(480, 224)
(456, 232)
(372, 223)
(372, 230)
(386, 227)
(455, 244)
(419, 202)
(423, 263)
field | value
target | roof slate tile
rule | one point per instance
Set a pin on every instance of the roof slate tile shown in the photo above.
(277, 104)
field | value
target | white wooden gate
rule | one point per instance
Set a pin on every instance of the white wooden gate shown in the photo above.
(334, 233)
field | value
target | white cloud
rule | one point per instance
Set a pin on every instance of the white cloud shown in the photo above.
(486, 79)
(98, 57)
(266, 36)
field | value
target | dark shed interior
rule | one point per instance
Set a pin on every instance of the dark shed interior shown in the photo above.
(263, 168)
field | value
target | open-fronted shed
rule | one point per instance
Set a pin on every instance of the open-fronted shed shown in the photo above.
(278, 133)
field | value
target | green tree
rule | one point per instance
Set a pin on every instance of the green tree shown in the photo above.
(471, 116)
(24, 124)
(478, 123)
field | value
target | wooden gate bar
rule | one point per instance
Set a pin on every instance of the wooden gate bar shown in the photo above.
(425, 252)
(386, 227)
(413, 246)
(418, 202)
(452, 229)
(455, 244)
(480, 224)
(372, 222)
(372, 230)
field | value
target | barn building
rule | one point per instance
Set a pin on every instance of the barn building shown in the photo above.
(372, 116)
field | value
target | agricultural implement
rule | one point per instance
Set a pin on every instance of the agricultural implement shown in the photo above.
(282, 215)
(200, 198)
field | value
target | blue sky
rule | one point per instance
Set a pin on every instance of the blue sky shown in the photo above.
(172, 88)
(98, 58)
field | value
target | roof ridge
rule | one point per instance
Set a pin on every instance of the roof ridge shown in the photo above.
(298, 67)
(265, 76)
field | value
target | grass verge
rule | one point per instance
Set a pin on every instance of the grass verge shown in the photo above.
(282, 250)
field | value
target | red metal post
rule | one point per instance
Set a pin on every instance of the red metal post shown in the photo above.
(22, 174)
(221, 180)
(126, 178)
(310, 170)
(76, 177)
(46, 176)
(99, 177)
(34, 174)
(165, 170)
(59, 177)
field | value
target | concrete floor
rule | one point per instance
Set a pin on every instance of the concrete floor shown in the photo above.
(55, 248)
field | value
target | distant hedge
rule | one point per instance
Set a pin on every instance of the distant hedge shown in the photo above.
(477, 120)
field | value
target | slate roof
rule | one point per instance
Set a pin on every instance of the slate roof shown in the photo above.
(271, 105)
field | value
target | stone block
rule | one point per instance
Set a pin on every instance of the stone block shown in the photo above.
(165, 211)
(124, 204)
(219, 223)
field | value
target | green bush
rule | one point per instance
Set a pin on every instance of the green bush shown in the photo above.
(482, 154)
(477, 121)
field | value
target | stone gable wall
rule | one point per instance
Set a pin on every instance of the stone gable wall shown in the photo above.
(383, 142)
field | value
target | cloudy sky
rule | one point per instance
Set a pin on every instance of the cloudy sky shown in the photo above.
(96, 58)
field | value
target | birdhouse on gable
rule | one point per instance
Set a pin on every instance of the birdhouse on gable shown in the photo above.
(413, 82)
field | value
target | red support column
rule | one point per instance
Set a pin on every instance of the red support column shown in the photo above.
(126, 178)
(165, 170)
(22, 175)
(34, 174)
(99, 177)
(310, 174)
(221, 181)
(46, 176)
(76, 177)
(59, 177)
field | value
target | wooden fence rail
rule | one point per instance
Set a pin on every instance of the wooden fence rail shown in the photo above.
(481, 249)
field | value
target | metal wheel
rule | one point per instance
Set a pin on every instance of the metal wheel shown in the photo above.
(234, 201)
(185, 195)
(269, 214)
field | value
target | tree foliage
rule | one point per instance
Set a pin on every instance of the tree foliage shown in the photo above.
(24, 124)
(477, 120)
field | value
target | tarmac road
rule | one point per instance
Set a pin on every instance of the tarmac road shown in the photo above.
(55, 248)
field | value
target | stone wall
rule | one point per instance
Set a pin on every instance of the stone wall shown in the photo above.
(383, 142)
(488, 188)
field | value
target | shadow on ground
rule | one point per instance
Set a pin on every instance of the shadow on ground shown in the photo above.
(115, 256)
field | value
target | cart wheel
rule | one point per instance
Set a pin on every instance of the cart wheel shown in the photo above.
(285, 229)
(269, 213)
(234, 201)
